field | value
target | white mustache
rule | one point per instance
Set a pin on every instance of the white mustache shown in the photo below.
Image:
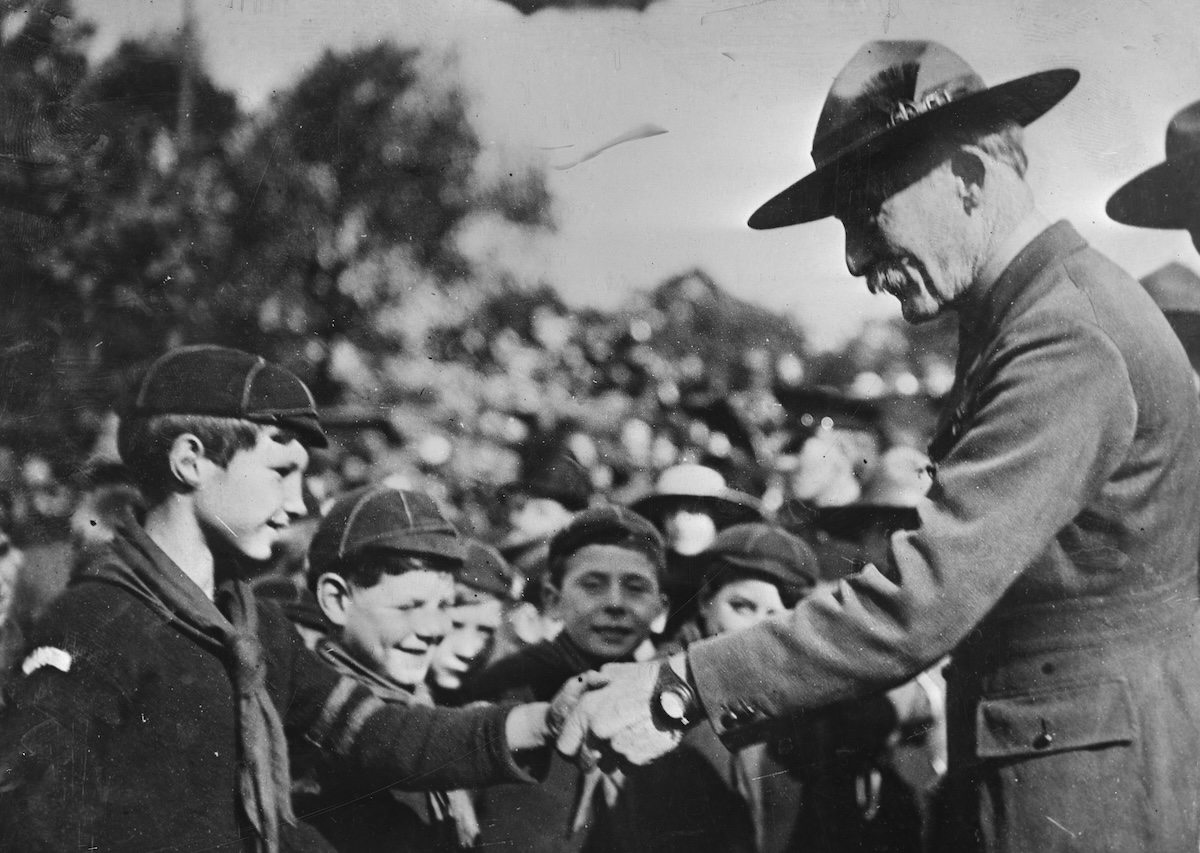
(888, 279)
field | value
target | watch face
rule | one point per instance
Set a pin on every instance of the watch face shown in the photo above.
(672, 704)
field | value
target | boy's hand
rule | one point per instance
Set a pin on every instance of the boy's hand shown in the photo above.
(619, 714)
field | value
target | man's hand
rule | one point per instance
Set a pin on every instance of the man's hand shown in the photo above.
(617, 712)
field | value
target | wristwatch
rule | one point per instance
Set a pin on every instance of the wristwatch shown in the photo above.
(674, 702)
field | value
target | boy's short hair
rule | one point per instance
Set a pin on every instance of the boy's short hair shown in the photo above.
(378, 530)
(223, 396)
(605, 525)
(763, 552)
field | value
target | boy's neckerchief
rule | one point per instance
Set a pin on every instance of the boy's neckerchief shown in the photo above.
(138, 566)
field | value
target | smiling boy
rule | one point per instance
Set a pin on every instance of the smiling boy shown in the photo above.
(603, 582)
(154, 707)
(381, 567)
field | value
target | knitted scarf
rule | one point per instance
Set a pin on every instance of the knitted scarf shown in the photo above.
(138, 566)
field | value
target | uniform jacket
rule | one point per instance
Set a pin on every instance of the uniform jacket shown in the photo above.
(121, 735)
(1057, 557)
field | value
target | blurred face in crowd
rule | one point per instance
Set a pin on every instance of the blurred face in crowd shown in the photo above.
(394, 626)
(689, 532)
(821, 473)
(474, 620)
(908, 241)
(248, 504)
(740, 604)
(538, 516)
(608, 600)
(10, 560)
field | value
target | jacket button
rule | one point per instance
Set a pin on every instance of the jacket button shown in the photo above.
(729, 719)
(1043, 740)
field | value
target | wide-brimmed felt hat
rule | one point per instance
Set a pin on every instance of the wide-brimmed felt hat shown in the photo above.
(890, 495)
(891, 97)
(1166, 195)
(700, 488)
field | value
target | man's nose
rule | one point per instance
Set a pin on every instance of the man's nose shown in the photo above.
(858, 245)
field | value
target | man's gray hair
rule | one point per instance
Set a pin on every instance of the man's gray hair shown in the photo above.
(1005, 143)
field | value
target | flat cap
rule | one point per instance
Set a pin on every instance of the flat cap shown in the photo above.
(382, 519)
(223, 382)
(765, 550)
(608, 525)
(484, 569)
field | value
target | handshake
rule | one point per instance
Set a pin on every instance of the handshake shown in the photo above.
(628, 713)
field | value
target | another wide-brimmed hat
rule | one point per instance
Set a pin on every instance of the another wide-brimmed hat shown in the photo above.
(1166, 195)
(701, 488)
(890, 496)
(890, 97)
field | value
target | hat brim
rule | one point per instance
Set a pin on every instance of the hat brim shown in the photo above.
(816, 195)
(734, 508)
(1163, 196)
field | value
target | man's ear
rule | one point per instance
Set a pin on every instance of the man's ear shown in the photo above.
(333, 596)
(970, 173)
(185, 458)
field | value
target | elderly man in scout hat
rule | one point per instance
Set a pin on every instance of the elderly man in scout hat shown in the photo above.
(1056, 550)
(1167, 195)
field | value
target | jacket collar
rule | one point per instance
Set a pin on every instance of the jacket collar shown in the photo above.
(981, 316)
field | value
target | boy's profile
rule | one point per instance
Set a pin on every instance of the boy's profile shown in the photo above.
(155, 704)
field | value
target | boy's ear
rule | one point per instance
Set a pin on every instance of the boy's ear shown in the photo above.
(184, 458)
(660, 621)
(333, 596)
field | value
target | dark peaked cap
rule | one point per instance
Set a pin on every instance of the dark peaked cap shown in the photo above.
(227, 383)
(890, 97)
(379, 518)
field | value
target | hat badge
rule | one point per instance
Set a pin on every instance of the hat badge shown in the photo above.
(907, 109)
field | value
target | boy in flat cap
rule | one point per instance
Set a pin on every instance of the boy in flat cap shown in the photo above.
(1056, 552)
(603, 584)
(154, 708)
(381, 566)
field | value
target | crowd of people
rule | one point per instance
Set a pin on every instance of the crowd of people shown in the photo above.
(839, 644)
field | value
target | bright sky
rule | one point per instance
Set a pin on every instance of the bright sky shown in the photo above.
(737, 86)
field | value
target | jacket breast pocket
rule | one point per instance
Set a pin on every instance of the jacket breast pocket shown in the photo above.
(1068, 717)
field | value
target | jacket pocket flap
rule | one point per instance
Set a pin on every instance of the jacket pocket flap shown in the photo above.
(1069, 717)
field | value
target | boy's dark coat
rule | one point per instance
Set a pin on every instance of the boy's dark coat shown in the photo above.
(134, 747)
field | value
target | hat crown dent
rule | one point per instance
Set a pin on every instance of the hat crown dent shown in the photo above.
(1183, 132)
(878, 79)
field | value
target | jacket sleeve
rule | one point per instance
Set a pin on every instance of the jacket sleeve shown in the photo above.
(386, 744)
(63, 703)
(1054, 418)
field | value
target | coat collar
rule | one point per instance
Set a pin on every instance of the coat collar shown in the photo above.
(980, 317)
